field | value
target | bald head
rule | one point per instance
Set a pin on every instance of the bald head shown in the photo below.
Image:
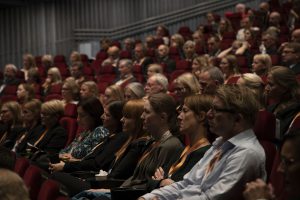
(296, 35)
(264, 6)
(113, 51)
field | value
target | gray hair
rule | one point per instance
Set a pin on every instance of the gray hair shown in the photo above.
(161, 80)
(215, 73)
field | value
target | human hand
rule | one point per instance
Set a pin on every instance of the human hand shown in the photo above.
(258, 189)
(165, 182)
(56, 167)
(159, 174)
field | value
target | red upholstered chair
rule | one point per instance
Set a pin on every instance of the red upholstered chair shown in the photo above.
(106, 69)
(62, 198)
(242, 61)
(102, 86)
(175, 74)
(10, 90)
(101, 55)
(49, 190)
(38, 61)
(21, 165)
(125, 54)
(8, 98)
(96, 66)
(233, 80)
(33, 180)
(55, 89)
(71, 125)
(275, 59)
(88, 71)
(60, 61)
(186, 32)
(84, 59)
(183, 65)
(264, 129)
(235, 19)
(71, 110)
(50, 97)
(108, 78)
(20, 75)
(174, 53)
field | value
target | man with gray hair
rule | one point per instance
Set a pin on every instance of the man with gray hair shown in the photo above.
(157, 83)
(210, 79)
(125, 68)
(10, 77)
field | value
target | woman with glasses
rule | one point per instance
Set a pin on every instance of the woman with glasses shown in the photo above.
(70, 91)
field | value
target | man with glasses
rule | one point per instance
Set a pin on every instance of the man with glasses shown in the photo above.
(210, 79)
(290, 56)
(234, 158)
(289, 167)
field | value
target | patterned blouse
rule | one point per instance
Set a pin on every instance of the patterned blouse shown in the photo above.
(85, 142)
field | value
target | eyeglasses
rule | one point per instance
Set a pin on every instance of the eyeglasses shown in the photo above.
(287, 162)
(180, 89)
(215, 109)
(288, 51)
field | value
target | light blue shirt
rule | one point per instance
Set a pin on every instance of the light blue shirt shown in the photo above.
(243, 160)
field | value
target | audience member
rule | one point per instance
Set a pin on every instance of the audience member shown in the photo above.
(261, 65)
(11, 123)
(126, 73)
(113, 56)
(164, 59)
(25, 93)
(289, 167)
(70, 91)
(28, 63)
(12, 186)
(291, 56)
(7, 159)
(31, 114)
(229, 67)
(89, 112)
(213, 46)
(236, 153)
(199, 63)
(89, 89)
(134, 90)
(154, 69)
(47, 62)
(74, 57)
(157, 83)
(10, 77)
(282, 87)
(296, 36)
(53, 78)
(140, 58)
(77, 72)
(112, 93)
(210, 79)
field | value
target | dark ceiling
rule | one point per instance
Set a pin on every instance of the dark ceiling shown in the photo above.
(13, 3)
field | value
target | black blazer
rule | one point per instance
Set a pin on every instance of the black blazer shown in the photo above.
(31, 136)
(12, 135)
(54, 140)
(124, 167)
(101, 158)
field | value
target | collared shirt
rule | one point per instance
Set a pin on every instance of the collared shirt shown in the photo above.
(243, 160)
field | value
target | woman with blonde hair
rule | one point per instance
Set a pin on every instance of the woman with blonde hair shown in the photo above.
(229, 67)
(154, 69)
(89, 89)
(25, 93)
(261, 64)
(11, 123)
(53, 78)
(112, 93)
(70, 91)
(199, 63)
(255, 84)
(185, 85)
(283, 89)
(28, 63)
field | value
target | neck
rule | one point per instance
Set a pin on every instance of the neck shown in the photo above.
(159, 133)
(197, 135)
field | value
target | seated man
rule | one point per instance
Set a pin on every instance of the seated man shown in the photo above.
(234, 158)
(126, 73)
(10, 77)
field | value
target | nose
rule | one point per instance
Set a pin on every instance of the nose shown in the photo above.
(209, 114)
(281, 168)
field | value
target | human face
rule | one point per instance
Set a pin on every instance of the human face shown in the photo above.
(189, 50)
(84, 91)
(289, 56)
(248, 35)
(290, 167)
(150, 72)
(221, 119)
(28, 116)
(197, 38)
(123, 69)
(273, 90)
(152, 87)
(160, 31)
(21, 92)
(212, 45)
(48, 119)
(222, 25)
(9, 72)
(83, 118)
(6, 115)
(162, 51)
(151, 120)
(107, 98)
(75, 72)
(195, 66)
(138, 52)
(128, 94)
(224, 66)
(187, 120)
(257, 65)
(66, 92)
(267, 41)
(108, 120)
(128, 125)
(180, 90)
(208, 85)
(296, 36)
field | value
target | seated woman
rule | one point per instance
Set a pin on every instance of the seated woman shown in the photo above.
(100, 157)
(261, 64)
(70, 91)
(127, 157)
(189, 50)
(32, 123)
(54, 136)
(11, 124)
(192, 121)
(159, 118)
(112, 93)
(53, 78)
(229, 67)
(134, 90)
(185, 85)
(199, 63)
(283, 89)
(89, 112)
(25, 93)
(89, 89)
